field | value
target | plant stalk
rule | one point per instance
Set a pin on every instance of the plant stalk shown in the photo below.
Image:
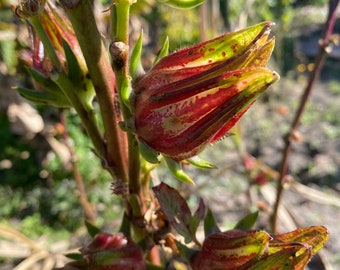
(120, 54)
(101, 73)
(324, 49)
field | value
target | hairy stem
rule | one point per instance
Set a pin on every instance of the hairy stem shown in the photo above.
(120, 55)
(103, 78)
(324, 46)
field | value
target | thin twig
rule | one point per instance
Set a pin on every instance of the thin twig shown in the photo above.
(89, 211)
(324, 49)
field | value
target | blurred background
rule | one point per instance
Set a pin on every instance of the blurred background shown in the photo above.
(45, 154)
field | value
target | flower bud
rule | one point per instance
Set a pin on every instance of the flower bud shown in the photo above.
(230, 250)
(193, 97)
(114, 252)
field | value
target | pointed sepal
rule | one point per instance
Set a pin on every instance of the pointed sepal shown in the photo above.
(136, 68)
(201, 163)
(177, 171)
(164, 51)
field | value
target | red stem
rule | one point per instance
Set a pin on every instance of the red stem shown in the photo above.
(323, 51)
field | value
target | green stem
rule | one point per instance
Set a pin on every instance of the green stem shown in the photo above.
(123, 18)
(86, 114)
(120, 63)
(122, 12)
(101, 73)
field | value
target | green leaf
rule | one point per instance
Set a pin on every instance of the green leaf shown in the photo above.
(45, 98)
(91, 229)
(136, 68)
(176, 170)
(163, 51)
(176, 210)
(210, 224)
(83, 84)
(74, 71)
(247, 222)
(184, 250)
(74, 256)
(125, 92)
(182, 4)
(46, 83)
(125, 226)
(201, 163)
(148, 153)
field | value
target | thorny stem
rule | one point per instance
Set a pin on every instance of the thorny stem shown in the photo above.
(324, 49)
(103, 78)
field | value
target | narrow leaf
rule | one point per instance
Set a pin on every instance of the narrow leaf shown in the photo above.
(41, 97)
(163, 51)
(148, 153)
(201, 163)
(91, 229)
(46, 83)
(247, 222)
(136, 67)
(175, 168)
(125, 92)
(74, 256)
(210, 224)
(74, 71)
(183, 4)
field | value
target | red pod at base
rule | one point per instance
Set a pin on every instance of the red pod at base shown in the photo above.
(195, 96)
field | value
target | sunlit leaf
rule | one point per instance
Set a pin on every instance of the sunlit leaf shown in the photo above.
(288, 256)
(231, 249)
(136, 67)
(315, 236)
